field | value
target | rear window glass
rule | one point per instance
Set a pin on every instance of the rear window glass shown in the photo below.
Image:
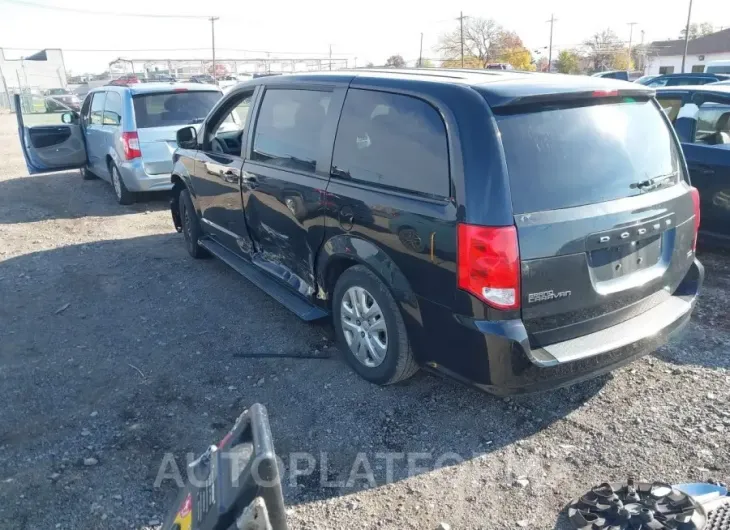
(173, 108)
(564, 157)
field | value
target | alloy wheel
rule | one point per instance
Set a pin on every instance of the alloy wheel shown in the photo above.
(364, 327)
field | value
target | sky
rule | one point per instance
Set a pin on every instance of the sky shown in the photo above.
(370, 30)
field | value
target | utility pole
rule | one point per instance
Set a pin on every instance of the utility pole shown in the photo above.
(550, 49)
(420, 53)
(686, 35)
(643, 52)
(461, 25)
(631, 34)
(330, 57)
(212, 35)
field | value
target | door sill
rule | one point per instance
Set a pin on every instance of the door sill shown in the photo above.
(282, 294)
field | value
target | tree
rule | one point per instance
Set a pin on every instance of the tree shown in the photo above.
(395, 61)
(542, 64)
(481, 41)
(513, 51)
(469, 62)
(369, 65)
(568, 62)
(622, 61)
(697, 30)
(601, 48)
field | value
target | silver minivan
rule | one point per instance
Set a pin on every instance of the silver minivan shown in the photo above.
(123, 134)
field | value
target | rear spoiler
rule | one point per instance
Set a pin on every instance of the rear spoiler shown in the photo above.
(563, 97)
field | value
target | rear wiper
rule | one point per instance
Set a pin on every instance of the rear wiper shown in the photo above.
(652, 184)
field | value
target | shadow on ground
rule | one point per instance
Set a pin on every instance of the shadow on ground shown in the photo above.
(57, 196)
(144, 335)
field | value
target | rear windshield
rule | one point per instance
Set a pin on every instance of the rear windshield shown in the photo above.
(571, 156)
(173, 108)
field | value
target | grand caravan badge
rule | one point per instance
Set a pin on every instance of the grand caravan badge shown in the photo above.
(546, 296)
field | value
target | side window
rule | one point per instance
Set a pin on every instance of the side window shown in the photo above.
(713, 123)
(671, 106)
(113, 109)
(227, 135)
(97, 108)
(660, 81)
(289, 128)
(393, 141)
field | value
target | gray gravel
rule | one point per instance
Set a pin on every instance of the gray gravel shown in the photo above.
(116, 348)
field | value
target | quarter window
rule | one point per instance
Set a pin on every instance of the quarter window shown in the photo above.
(289, 128)
(113, 109)
(713, 124)
(97, 108)
(393, 141)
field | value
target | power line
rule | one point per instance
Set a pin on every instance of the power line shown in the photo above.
(104, 13)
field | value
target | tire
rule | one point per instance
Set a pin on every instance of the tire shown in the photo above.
(382, 366)
(190, 226)
(123, 195)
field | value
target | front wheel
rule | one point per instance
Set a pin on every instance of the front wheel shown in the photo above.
(370, 328)
(190, 226)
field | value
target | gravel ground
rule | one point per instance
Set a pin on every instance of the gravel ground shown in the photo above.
(116, 348)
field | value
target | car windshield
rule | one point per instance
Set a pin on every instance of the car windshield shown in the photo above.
(173, 108)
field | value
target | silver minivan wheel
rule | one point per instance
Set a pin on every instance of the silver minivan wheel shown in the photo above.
(364, 327)
(124, 196)
(116, 181)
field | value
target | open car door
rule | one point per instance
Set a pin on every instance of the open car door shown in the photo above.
(51, 141)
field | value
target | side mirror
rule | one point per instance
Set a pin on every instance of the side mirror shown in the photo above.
(187, 138)
(69, 117)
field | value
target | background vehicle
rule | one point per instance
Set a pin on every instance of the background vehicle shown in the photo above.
(686, 79)
(125, 135)
(718, 67)
(160, 78)
(61, 99)
(124, 80)
(540, 289)
(202, 78)
(645, 79)
(229, 81)
(701, 116)
(500, 66)
(623, 75)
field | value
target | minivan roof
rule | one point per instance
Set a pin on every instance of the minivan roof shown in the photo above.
(154, 88)
(499, 87)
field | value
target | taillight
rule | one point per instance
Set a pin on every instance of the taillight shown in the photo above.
(604, 93)
(696, 204)
(488, 264)
(130, 144)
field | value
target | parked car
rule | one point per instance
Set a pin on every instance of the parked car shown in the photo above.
(686, 79)
(645, 79)
(124, 80)
(500, 66)
(229, 81)
(203, 78)
(61, 99)
(125, 135)
(623, 75)
(701, 116)
(564, 197)
(160, 78)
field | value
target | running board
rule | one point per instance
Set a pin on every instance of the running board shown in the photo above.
(296, 304)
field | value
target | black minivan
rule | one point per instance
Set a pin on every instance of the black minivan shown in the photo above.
(514, 231)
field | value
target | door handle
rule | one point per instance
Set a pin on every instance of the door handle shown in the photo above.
(231, 175)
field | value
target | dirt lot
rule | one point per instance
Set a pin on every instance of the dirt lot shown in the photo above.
(116, 348)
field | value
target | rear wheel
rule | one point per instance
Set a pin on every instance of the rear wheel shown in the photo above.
(123, 195)
(190, 226)
(370, 328)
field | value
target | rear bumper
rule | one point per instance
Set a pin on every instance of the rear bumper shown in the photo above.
(138, 180)
(512, 367)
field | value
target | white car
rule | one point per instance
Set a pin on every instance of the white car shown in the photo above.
(229, 81)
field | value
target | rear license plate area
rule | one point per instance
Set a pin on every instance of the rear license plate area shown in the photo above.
(621, 260)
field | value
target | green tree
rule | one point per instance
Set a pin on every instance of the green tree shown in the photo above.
(568, 62)
(395, 61)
